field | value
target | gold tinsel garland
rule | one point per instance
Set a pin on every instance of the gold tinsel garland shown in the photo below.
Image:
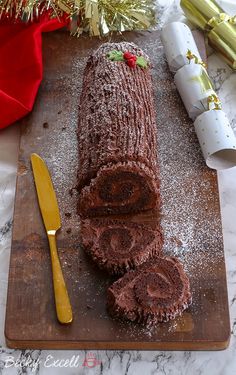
(97, 17)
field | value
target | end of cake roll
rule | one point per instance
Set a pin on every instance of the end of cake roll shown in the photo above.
(120, 188)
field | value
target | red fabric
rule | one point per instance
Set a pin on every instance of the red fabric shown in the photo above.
(21, 67)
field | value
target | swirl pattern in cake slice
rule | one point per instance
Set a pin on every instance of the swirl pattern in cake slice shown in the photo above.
(117, 246)
(157, 291)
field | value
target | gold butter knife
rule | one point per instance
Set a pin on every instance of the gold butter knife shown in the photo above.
(51, 218)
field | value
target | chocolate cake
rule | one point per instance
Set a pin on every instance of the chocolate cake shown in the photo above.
(118, 169)
(118, 174)
(157, 291)
(118, 246)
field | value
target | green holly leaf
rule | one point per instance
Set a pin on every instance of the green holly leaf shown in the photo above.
(142, 62)
(115, 55)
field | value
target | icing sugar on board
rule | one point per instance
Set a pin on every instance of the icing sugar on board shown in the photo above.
(190, 218)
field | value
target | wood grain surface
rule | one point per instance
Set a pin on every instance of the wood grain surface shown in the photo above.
(50, 130)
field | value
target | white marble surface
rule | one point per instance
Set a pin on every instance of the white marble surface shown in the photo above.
(125, 362)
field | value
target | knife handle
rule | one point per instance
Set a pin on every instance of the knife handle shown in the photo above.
(62, 301)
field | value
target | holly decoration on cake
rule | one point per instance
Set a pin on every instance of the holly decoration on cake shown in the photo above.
(129, 58)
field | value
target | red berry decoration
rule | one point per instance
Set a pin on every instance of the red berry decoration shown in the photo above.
(130, 59)
(131, 63)
(127, 55)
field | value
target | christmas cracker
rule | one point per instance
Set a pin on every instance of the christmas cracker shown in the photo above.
(215, 135)
(219, 27)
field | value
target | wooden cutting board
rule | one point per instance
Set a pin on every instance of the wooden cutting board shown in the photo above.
(190, 218)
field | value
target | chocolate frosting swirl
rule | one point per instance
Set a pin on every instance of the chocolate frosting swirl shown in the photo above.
(160, 287)
(117, 245)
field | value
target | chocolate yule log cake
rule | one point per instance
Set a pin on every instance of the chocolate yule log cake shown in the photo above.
(157, 291)
(118, 246)
(118, 169)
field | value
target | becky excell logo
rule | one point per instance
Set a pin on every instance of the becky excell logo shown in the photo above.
(91, 361)
(27, 361)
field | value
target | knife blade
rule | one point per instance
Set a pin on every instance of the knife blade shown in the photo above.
(51, 217)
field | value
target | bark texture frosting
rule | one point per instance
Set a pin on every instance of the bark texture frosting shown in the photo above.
(118, 246)
(157, 291)
(118, 170)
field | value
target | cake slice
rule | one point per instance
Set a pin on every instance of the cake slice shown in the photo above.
(157, 291)
(118, 246)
